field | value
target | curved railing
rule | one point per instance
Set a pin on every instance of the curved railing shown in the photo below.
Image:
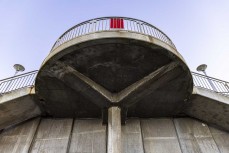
(28, 79)
(112, 23)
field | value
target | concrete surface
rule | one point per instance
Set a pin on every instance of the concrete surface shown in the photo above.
(114, 130)
(209, 106)
(154, 135)
(203, 104)
(17, 106)
(113, 68)
(52, 136)
(88, 136)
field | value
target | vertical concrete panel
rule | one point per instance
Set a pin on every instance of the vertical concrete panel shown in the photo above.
(195, 137)
(18, 139)
(159, 136)
(52, 136)
(221, 138)
(131, 137)
(88, 136)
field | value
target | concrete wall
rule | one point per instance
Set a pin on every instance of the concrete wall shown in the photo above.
(156, 135)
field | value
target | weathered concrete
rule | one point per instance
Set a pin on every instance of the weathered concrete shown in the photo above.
(88, 136)
(52, 136)
(132, 137)
(18, 138)
(108, 35)
(209, 106)
(205, 105)
(154, 135)
(159, 136)
(59, 96)
(221, 139)
(114, 130)
(194, 136)
(114, 68)
(17, 106)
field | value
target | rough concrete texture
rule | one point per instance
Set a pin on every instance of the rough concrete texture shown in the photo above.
(114, 130)
(209, 106)
(96, 73)
(17, 106)
(154, 135)
(204, 105)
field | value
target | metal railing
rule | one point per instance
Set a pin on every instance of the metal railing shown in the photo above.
(17, 82)
(104, 24)
(28, 79)
(203, 81)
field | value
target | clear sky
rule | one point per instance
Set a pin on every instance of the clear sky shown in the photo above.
(198, 28)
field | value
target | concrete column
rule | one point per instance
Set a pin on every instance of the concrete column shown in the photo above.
(114, 130)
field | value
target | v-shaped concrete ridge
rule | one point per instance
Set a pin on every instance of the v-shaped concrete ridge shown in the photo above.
(101, 96)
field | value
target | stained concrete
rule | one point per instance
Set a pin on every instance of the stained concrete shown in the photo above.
(114, 130)
(110, 69)
(84, 77)
(160, 135)
(209, 106)
(203, 104)
(114, 75)
(17, 106)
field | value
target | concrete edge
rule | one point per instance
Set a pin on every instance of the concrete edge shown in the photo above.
(16, 94)
(211, 95)
(112, 34)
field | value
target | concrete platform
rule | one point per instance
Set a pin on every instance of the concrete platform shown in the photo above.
(90, 73)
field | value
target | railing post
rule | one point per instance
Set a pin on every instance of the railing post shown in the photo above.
(227, 87)
(140, 27)
(210, 82)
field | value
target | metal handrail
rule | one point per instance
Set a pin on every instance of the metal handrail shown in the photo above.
(210, 83)
(28, 79)
(103, 24)
(17, 82)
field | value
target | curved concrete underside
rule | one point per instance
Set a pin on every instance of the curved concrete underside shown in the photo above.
(87, 75)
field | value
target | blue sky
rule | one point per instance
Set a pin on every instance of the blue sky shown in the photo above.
(198, 28)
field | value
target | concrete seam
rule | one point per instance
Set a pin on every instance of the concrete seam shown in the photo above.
(177, 135)
(214, 139)
(35, 133)
(70, 136)
(143, 146)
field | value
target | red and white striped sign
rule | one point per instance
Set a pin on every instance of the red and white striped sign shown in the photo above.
(116, 23)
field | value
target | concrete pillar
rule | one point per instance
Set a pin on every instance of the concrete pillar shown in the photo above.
(114, 130)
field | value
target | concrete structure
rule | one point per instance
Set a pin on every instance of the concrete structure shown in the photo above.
(98, 76)
(158, 135)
